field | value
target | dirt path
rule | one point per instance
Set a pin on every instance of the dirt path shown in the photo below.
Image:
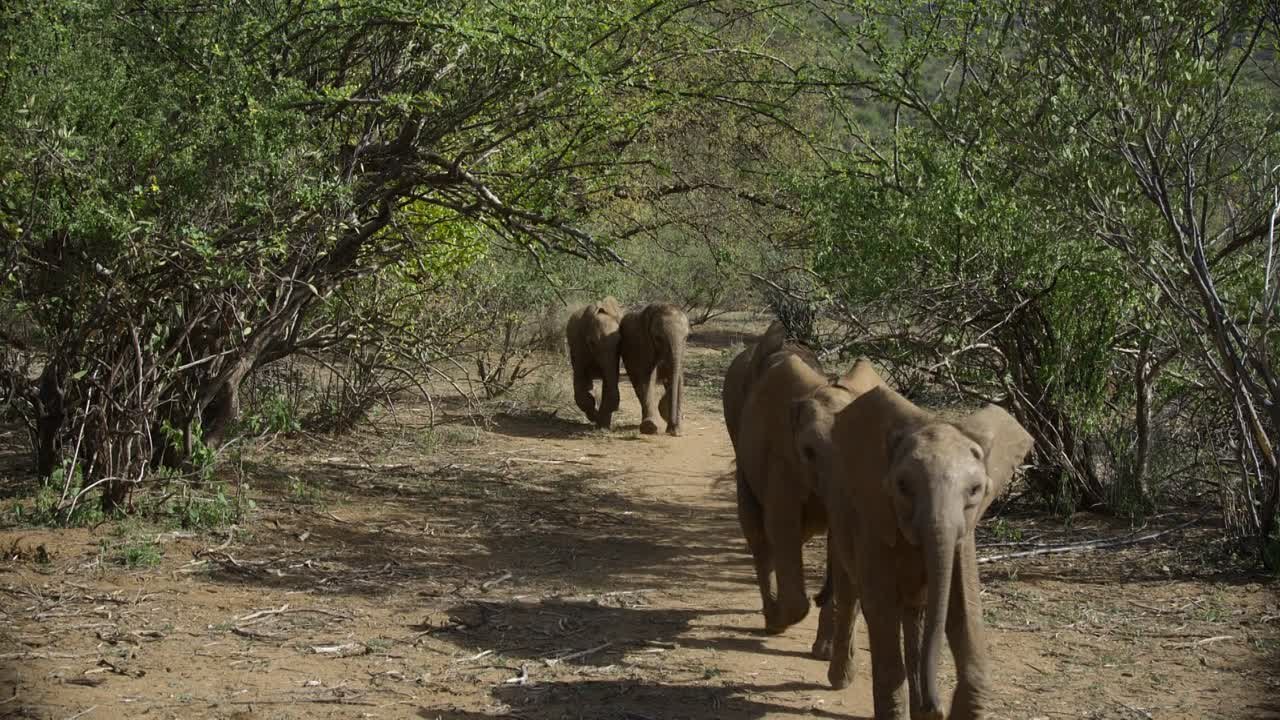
(539, 569)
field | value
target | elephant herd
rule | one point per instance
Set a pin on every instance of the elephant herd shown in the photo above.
(651, 344)
(897, 489)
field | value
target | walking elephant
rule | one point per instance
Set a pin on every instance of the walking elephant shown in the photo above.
(749, 364)
(653, 347)
(594, 338)
(778, 506)
(905, 489)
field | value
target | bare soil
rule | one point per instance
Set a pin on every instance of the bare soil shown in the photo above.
(533, 567)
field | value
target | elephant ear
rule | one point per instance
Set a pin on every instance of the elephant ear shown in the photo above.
(867, 432)
(1005, 444)
(768, 344)
(610, 306)
(861, 378)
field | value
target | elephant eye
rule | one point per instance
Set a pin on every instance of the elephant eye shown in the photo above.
(904, 487)
(809, 454)
(975, 493)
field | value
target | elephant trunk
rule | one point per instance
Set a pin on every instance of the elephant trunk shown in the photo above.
(677, 385)
(940, 551)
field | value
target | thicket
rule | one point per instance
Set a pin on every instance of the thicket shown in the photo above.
(1072, 213)
(1066, 208)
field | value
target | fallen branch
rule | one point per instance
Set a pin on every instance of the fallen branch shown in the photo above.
(552, 662)
(1091, 544)
(548, 462)
(506, 575)
(1205, 641)
(261, 614)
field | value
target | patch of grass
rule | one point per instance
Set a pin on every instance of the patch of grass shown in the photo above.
(304, 493)
(199, 506)
(547, 392)
(379, 646)
(1004, 532)
(447, 436)
(134, 553)
(132, 546)
(51, 505)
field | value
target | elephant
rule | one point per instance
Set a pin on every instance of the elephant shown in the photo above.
(778, 507)
(749, 364)
(905, 489)
(594, 337)
(653, 347)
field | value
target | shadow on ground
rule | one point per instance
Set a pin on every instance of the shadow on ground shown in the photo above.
(627, 700)
(454, 528)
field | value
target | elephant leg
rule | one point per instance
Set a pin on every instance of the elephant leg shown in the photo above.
(644, 393)
(913, 636)
(786, 536)
(844, 653)
(751, 518)
(822, 644)
(884, 622)
(965, 635)
(609, 399)
(586, 401)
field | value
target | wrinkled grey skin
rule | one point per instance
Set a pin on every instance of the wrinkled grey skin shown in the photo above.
(594, 338)
(905, 490)
(653, 348)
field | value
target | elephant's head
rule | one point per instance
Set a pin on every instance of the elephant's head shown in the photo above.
(941, 477)
(813, 417)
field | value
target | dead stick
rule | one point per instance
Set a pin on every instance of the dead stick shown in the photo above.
(1091, 545)
(579, 654)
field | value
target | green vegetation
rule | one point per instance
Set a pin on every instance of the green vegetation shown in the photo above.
(231, 222)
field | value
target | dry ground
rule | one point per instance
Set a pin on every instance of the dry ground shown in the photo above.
(535, 568)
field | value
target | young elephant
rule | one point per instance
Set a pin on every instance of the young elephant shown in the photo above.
(653, 345)
(594, 337)
(749, 364)
(905, 489)
(777, 504)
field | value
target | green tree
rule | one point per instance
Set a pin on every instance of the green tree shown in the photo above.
(181, 187)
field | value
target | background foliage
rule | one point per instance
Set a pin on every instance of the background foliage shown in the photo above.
(230, 221)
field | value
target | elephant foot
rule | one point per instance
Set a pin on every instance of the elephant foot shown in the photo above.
(822, 648)
(648, 427)
(673, 430)
(928, 715)
(840, 675)
(787, 615)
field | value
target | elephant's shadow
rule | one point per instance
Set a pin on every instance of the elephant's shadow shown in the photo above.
(536, 425)
(593, 635)
(626, 699)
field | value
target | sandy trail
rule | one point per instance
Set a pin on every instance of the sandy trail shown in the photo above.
(540, 569)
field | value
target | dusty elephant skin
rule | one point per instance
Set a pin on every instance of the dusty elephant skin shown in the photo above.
(812, 420)
(787, 399)
(749, 365)
(906, 489)
(594, 338)
(653, 348)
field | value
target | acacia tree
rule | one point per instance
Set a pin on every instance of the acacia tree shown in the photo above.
(180, 186)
